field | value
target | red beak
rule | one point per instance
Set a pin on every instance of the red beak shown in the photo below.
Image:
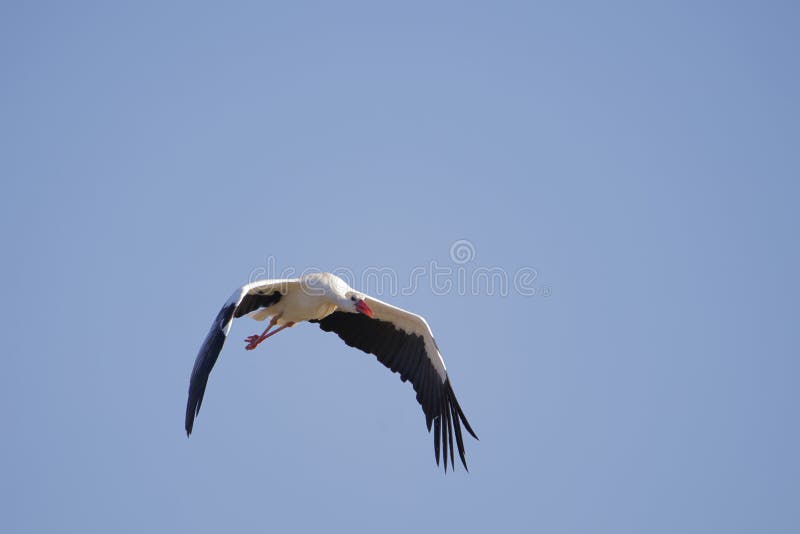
(362, 307)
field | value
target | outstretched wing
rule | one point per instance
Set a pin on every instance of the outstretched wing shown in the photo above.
(247, 299)
(404, 343)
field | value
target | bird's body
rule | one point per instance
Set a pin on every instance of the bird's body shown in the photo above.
(400, 339)
(310, 299)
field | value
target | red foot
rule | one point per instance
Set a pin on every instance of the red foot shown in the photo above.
(253, 341)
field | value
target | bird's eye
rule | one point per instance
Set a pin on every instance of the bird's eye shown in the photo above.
(353, 298)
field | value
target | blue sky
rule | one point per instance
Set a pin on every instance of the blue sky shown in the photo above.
(642, 158)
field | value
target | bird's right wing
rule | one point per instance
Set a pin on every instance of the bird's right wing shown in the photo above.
(248, 298)
(403, 342)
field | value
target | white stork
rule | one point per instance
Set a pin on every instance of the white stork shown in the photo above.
(401, 340)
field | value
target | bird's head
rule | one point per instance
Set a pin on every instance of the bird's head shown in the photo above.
(356, 303)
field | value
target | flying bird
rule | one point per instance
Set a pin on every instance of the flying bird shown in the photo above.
(401, 340)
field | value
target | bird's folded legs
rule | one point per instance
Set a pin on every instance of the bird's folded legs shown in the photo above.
(254, 340)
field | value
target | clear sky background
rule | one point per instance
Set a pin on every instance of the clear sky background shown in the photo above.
(643, 158)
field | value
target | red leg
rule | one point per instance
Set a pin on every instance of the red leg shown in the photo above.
(254, 340)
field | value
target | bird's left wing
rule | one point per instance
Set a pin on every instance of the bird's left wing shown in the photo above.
(248, 298)
(403, 342)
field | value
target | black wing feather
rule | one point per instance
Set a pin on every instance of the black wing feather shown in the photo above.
(206, 358)
(445, 426)
(405, 353)
(459, 437)
(437, 424)
(212, 346)
(254, 300)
